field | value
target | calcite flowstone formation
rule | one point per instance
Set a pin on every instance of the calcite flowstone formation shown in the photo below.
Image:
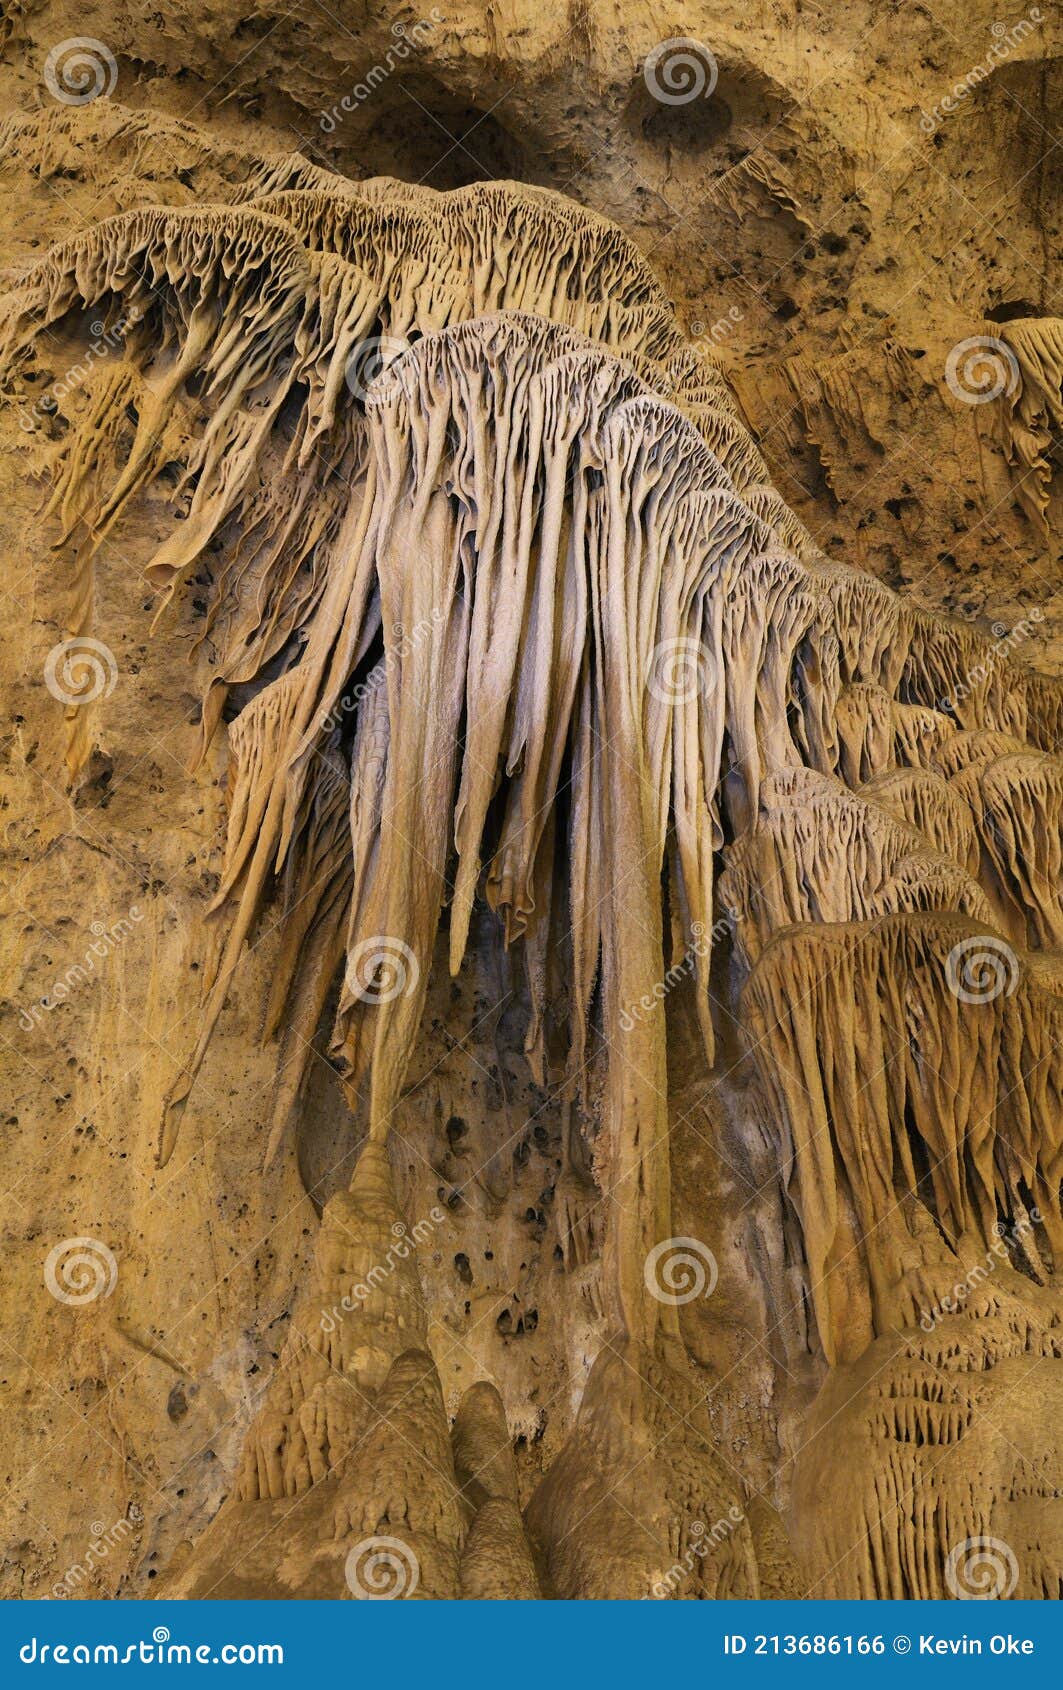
(524, 665)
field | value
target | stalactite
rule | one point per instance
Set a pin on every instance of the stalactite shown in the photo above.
(925, 800)
(822, 854)
(1035, 405)
(1018, 800)
(876, 1039)
(505, 609)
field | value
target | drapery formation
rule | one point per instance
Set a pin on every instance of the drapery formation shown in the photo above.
(521, 618)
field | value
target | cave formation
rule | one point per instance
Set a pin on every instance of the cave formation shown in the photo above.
(523, 672)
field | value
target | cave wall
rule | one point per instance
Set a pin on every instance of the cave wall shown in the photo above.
(827, 240)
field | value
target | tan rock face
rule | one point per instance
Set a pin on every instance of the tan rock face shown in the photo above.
(532, 973)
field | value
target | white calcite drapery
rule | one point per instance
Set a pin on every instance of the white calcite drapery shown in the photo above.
(507, 609)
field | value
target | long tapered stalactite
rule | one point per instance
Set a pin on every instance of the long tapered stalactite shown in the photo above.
(503, 611)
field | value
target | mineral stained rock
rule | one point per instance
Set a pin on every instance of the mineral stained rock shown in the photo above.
(533, 878)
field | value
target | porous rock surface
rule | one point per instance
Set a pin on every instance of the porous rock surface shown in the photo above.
(532, 962)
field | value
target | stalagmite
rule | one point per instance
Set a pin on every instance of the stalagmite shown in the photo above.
(624, 1509)
(496, 1562)
(502, 611)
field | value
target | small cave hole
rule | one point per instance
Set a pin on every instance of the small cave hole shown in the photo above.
(427, 134)
(1010, 310)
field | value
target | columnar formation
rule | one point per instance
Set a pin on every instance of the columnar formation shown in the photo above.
(502, 610)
